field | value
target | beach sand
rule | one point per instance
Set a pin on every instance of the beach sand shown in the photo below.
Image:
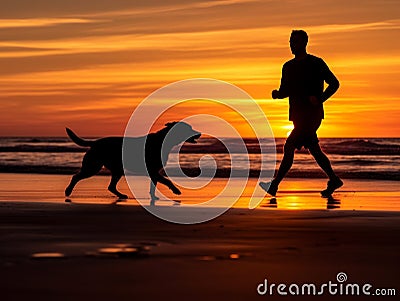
(114, 251)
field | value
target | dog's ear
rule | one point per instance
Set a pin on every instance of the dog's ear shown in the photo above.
(170, 124)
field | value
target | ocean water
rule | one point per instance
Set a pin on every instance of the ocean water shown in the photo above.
(374, 158)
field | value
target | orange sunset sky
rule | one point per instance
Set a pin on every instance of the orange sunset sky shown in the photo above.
(87, 64)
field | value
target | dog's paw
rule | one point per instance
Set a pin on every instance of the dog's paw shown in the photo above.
(176, 190)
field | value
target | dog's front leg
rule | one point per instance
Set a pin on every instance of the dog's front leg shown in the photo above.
(167, 182)
(170, 185)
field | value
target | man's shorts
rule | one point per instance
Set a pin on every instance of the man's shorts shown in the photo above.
(304, 134)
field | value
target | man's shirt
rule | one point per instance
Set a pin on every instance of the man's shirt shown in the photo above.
(300, 80)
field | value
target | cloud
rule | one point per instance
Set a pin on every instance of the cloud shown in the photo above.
(157, 9)
(228, 39)
(40, 22)
(354, 27)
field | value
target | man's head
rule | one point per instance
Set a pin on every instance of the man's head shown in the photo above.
(298, 41)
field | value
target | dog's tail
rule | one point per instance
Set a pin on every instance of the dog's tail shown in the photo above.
(77, 140)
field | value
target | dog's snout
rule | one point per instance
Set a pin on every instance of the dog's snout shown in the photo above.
(196, 135)
(192, 139)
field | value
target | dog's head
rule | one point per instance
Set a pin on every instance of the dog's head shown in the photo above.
(180, 132)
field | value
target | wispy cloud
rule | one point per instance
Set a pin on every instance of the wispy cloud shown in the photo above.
(354, 27)
(167, 8)
(252, 38)
(41, 22)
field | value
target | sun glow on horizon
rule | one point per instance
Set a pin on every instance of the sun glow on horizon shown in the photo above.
(288, 128)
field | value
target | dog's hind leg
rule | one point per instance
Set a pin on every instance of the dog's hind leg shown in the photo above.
(115, 177)
(153, 184)
(75, 179)
(90, 167)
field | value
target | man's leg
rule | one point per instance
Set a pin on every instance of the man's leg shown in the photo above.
(285, 166)
(323, 161)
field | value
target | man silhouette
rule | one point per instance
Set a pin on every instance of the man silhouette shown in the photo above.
(302, 81)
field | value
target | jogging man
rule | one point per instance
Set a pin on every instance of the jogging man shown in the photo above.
(302, 81)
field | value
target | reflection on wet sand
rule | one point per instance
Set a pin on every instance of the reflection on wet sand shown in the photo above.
(272, 203)
(290, 203)
(293, 194)
(333, 203)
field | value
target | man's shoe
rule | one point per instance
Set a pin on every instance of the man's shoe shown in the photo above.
(269, 187)
(331, 187)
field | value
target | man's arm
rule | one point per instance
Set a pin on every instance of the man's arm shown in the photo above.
(283, 91)
(331, 80)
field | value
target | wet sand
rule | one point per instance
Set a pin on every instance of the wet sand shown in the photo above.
(113, 251)
(294, 193)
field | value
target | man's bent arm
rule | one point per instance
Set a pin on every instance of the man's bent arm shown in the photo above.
(283, 91)
(333, 84)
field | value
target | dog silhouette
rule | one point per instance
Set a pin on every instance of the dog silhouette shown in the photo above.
(145, 154)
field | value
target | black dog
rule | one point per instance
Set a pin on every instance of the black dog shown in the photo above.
(147, 154)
